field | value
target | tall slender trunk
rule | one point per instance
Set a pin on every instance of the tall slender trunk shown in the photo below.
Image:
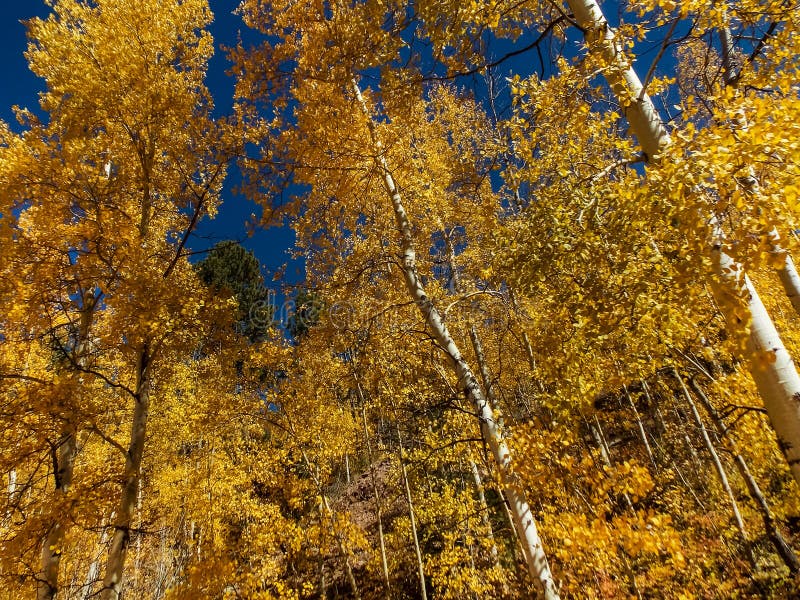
(487, 386)
(523, 518)
(721, 474)
(543, 412)
(783, 549)
(64, 454)
(771, 366)
(323, 582)
(412, 517)
(790, 279)
(138, 553)
(376, 495)
(597, 433)
(12, 493)
(487, 523)
(94, 567)
(489, 390)
(640, 427)
(325, 508)
(112, 582)
(483, 367)
(651, 403)
(682, 428)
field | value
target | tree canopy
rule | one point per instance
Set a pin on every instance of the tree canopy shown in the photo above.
(542, 346)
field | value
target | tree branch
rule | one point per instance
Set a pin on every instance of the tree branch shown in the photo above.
(545, 32)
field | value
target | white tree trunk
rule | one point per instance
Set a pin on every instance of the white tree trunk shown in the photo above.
(777, 380)
(784, 550)
(63, 464)
(790, 280)
(720, 469)
(94, 567)
(487, 523)
(12, 493)
(523, 518)
(376, 497)
(639, 110)
(605, 455)
(412, 517)
(640, 427)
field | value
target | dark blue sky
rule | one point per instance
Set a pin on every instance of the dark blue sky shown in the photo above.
(20, 87)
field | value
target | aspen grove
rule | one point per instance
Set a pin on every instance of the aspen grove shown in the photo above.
(541, 346)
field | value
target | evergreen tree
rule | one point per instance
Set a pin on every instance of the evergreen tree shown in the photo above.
(231, 269)
(308, 307)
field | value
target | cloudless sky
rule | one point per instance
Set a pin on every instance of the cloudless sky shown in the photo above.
(21, 87)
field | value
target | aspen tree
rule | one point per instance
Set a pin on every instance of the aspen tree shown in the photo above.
(523, 519)
(349, 53)
(64, 464)
(771, 366)
(787, 272)
(640, 427)
(376, 498)
(718, 467)
(784, 550)
(486, 378)
(412, 517)
(115, 108)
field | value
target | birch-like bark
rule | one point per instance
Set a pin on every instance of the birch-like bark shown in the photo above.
(12, 494)
(771, 366)
(487, 386)
(412, 517)
(790, 279)
(489, 390)
(376, 495)
(776, 378)
(783, 549)
(325, 508)
(94, 567)
(483, 367)
(720, 469)
(487, 523)
(526, 341)
(605, 455)
(682, 427)
(112, 582)
(63, 466)
(640, 427)
(525, 525)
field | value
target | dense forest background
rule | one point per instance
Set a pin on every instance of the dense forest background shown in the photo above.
(542, 346)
